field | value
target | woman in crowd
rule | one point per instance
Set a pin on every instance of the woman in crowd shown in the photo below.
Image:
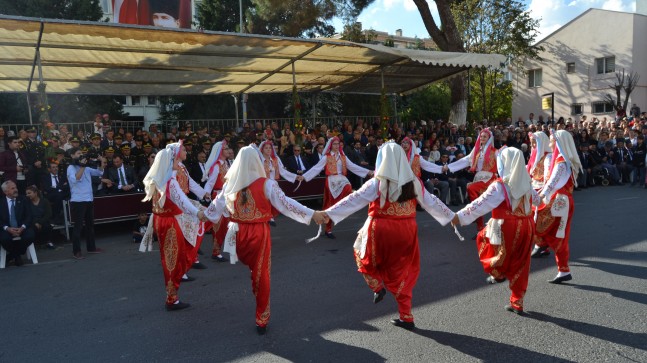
(41, 212)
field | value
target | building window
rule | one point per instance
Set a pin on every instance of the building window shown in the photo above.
(605, 65)
(570, 67)
(576, 109)
(534, 78)
(136, 100)
(601, 107)
(152, 100)
(121, 100)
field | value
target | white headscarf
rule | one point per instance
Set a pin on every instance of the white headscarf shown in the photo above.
(214, 156)
(392, 171)
(565, 146)
(328, 148)
(542, 141)
(413, 150)
(511, 168)
(247, 167)
(161, 172)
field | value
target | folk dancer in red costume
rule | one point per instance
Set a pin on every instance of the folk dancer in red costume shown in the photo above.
(417, 163)
(538, 168)
(250, 199)
(274, 168)
(214, 177)
(337, 186)
(175, 219)
(504, 244)
(482, 161)
(386, 249)
(553, 225)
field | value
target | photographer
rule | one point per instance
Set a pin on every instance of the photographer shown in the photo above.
(79, 176)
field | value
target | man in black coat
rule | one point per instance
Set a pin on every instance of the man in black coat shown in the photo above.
(121, 176)
(55, 188)
(297, 163)
(17, 233)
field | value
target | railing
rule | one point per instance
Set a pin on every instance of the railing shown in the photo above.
(225, 125)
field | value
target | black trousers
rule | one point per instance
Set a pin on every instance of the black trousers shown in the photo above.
(16, 247)
(83, 212)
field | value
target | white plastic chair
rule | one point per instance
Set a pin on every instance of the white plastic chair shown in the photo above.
(31, 254)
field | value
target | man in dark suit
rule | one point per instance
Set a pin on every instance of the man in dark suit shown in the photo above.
(296, 163)
(354, 153)
(13, 163)
(56, 189)
(16, 220)
(198, 169)
(122, 176)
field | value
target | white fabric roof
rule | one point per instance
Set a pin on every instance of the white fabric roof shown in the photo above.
(115, 59)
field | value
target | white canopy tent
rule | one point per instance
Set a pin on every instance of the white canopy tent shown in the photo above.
(115, 59)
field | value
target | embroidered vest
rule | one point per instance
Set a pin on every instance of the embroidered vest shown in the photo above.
(222, 170)
(538, 173)
(273, 169)
(568, 187)
(415, 166)
(489, 164)
(169, 209)
(502, 211)
(182, 177)
(331, 165)
(392, 210)
(257, 208)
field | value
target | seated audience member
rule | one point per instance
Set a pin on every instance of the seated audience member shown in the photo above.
(297, 163)
(17, 233)
(121, 176)
(41, 213)
(440, 181)
(140, 227)
(55, 188)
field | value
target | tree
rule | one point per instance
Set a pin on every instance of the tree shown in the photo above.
(431, 102)
(624, 82)
(89, 10)
(495, 26)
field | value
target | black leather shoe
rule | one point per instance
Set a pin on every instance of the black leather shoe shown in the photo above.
(538, 251)
(409, 325)
(330, 235)
(514, 310)
(378, 296)
(493, 280)
(178, 306)
(200, 252)
(219, 258)
(199, 266)
(261, 330)
(272, 223)
(559, 280)
(188, 279)
(18, 260)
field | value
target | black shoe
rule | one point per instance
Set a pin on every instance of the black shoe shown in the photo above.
(409, 325)
(219, 258)
(200, 252)
(261, 330)
(50, 246)
(378, 296)
(538, 251)
(188, 279)
(514, 310)
(273, 224)
(18, 260)
(178, 306)
(199, 266)
(493, 280)
(559, 280)
(330, 235)
(474, 237)
(544, 253)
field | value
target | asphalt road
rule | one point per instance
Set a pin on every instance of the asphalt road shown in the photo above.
(110, 307)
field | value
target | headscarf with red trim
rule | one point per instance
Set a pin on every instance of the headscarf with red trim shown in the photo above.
(542, 148)
(489, 148)
(328, 148)
(413, 150)
(214, 156)
(564, 146)
(262, 145)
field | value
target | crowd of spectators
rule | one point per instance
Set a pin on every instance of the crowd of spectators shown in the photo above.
(611, 149)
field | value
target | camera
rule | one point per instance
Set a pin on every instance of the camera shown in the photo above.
(84, 161)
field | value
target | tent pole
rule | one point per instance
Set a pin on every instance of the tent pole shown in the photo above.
(33, 68)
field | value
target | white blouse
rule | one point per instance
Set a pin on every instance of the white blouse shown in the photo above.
(319, 167)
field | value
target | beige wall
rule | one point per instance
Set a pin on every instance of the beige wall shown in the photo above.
(595, 34)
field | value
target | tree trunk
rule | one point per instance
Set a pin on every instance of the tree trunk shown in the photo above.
(458, 112)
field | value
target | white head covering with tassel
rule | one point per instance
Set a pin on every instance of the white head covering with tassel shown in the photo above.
(247, 167)
(392, 170)
(214, 156)
(161, 172)
(511, 169)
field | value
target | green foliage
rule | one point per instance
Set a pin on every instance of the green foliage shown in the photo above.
(432, 102)
(89, 10)
(354, 33)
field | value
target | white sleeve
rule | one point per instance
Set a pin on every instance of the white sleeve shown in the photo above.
(547, 160)
(286, 205)
(180, 199)
(435, 207)
(490, 199)
(536, 200)
(353, 202)
(356, 169)
(460, 164)
(196, 189)
(557, 179)
(315, 170)
(217, 208)
(213, 177)
(285, 173)
(430, 167)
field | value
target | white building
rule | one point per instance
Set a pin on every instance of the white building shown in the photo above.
(579, 64)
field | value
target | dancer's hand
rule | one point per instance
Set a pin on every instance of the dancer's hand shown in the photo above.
(456, 221)
(320, 217)
(300, 178)
(202, 217)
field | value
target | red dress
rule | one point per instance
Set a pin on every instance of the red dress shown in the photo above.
(547, 225)
(219, 230)
(254, 243)
(510, 259)
(392, 256)
(476, 188)
(182, 177)
(331, 169)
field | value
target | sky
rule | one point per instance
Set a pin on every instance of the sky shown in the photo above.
(389, 15)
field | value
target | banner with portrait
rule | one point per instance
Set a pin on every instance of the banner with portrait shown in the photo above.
(161, 13)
